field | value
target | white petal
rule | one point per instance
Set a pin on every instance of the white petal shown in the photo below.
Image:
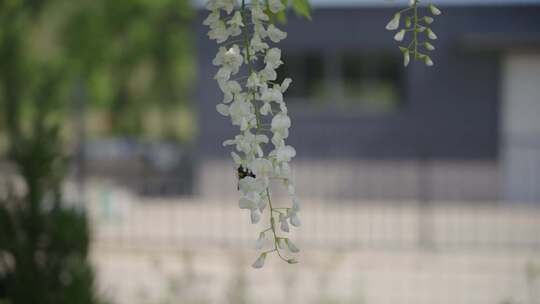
(259, 244)
(265, 109)
(434, 10)
(262, 205)
(284, 225)
(290, 188)
(229, 142)
(295, 220)
(275, 6)
(281, 243)
(237, 159)
(285, 84)
(399, 35)
(394, 23)
(296, 205)
(245, 203)
(431, 34)
(255, 216)
(292, 247)
(223, 109)
(406, 58)
(259, 263)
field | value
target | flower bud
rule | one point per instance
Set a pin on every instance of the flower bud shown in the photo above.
(431, 34)
(408, 22)
(292, 261)
(428, 20)
(427, 61)
(394, 23)
(259, 244)
(292, 247)
(406, 58)
(259, 263)
(434, 10)
(399, 35)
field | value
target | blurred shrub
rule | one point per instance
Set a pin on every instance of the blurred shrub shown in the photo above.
(43, 244)
(44, 255)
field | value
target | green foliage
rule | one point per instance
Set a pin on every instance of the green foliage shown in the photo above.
(45, 252)
(136, 56)
(131, 56)
(43, 244)
(301, 8)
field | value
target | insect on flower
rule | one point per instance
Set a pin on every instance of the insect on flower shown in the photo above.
(242, 173)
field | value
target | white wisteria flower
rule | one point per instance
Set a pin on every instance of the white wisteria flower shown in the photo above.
(255, 104)
(418, 26)
(273, 58)
(229, 89)
(252, 203)
(257, 13)
(236, 23)
(248, 143)
(219, 32)
(268, 73)
(275, 34)
(262, 167)
(280, 126)
(271, 94)
(285, 154)
(253, 81)
(275, 6)
(213, 19)
(257, 45)
(242, 113)
(226, 5)
(230, 59)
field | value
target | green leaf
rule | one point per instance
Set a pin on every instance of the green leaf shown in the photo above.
(302, 8)
(280, 17)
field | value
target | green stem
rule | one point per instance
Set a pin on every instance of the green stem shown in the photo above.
(415, 33)
(258, 130)
(273, 227)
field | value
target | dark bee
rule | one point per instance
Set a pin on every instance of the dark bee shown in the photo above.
(243, 173)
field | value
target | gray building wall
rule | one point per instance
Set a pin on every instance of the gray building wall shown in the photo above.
(450, 111)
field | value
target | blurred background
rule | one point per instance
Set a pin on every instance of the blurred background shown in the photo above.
(419, 184)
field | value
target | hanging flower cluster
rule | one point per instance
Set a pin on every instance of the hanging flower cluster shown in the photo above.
(253, 101)
(415, 24)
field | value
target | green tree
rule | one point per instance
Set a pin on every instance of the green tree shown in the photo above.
(135, 56)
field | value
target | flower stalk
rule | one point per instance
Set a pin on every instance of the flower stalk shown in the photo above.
(417, 25)
(254, 103)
